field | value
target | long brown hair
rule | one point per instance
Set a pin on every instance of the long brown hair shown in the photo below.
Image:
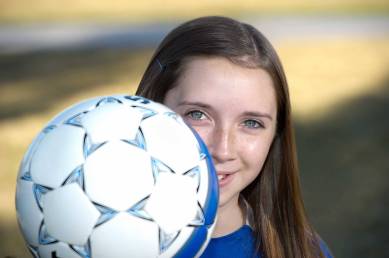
(280, 224)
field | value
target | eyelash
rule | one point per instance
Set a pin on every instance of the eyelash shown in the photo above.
(191, 113)
(194, 115)
(256, 123)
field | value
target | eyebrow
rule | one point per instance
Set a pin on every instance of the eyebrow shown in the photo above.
(204, 105)
(258, 114)
(194, 103)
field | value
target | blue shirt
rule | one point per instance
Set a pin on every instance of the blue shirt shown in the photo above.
(240, 244)
(234, 245)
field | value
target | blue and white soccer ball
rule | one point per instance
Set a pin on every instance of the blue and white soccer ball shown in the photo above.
(116, 176)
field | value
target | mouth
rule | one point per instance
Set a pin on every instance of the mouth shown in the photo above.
(221, 177)
(224, 178)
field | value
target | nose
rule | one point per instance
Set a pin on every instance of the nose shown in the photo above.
(222, 145)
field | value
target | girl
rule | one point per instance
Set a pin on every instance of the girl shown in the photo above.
(227, 82)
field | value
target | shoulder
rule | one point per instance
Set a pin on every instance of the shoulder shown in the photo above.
(238, 244)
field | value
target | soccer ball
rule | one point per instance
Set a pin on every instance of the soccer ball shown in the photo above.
(117, 176)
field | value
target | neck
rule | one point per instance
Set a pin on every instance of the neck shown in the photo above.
(229, 219)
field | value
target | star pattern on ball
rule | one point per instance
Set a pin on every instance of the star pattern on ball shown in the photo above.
(45, 238)
(140, 208)
(87, 122)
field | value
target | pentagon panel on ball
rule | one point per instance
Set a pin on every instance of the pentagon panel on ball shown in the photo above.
(116, 176)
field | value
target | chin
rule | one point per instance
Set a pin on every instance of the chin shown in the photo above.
(226, 198)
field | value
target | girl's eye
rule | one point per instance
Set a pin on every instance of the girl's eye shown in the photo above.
(253, 124)
(196, 115)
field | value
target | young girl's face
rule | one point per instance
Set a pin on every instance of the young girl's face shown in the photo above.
(234, 111)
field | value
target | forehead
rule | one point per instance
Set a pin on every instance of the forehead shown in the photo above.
(217, 80)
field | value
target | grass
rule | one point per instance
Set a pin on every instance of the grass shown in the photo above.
(323, 75)
(340, 98)
(17, 11)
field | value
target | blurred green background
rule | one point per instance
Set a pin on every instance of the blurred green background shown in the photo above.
(339, 86)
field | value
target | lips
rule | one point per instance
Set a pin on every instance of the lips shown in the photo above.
(224, 178)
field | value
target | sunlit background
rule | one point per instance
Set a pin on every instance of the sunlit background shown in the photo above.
(54, 53)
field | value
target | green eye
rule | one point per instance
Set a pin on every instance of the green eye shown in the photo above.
(196, 115)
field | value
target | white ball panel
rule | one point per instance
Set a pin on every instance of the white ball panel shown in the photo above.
(118, 175)
(69, 215)
(125, 236)
(170, 142)
(60, 250)
(59, 153)
(111, 121)
(25, 164)
(29, 214)
(173, 202)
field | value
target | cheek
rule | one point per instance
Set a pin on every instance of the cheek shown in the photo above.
(255, 152)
